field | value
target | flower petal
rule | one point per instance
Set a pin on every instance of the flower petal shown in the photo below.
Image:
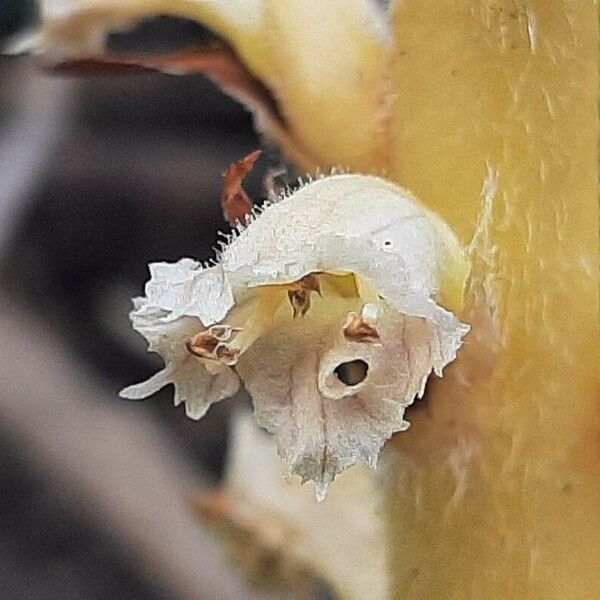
(322, 425)
(185, 288)
(194, 385)
(199, 389)
(198, 383)
(139, 391)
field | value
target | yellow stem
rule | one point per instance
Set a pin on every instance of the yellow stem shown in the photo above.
(496, 489)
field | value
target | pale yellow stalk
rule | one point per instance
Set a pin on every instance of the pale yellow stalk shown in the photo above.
(496, 488)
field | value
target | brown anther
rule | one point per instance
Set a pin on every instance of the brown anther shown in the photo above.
(228, 356)
(358, 330)
(236, 204)
(299, 293)
(300, 301)
(206, 345)
(202, 345)
(308, 283)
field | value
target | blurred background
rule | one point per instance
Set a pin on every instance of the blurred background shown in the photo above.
(100, 175)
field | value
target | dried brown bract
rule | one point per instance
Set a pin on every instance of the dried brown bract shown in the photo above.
(236, 204)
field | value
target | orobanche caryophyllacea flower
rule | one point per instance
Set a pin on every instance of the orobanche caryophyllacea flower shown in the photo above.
(327, 305)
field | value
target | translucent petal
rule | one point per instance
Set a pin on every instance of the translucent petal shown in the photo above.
(142, 390)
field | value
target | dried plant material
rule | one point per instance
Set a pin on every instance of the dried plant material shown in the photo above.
(236, 204)
(349, 252)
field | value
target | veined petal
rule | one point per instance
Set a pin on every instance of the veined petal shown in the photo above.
(334, 324)
(199, 389)
(358, 224)
(410, 289)
(194, 385)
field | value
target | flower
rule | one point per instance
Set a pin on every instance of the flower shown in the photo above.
(325, 306)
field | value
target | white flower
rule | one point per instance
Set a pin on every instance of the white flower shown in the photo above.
(325, 306)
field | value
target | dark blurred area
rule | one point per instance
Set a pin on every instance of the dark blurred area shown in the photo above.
(100, 175)
(16, 16)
